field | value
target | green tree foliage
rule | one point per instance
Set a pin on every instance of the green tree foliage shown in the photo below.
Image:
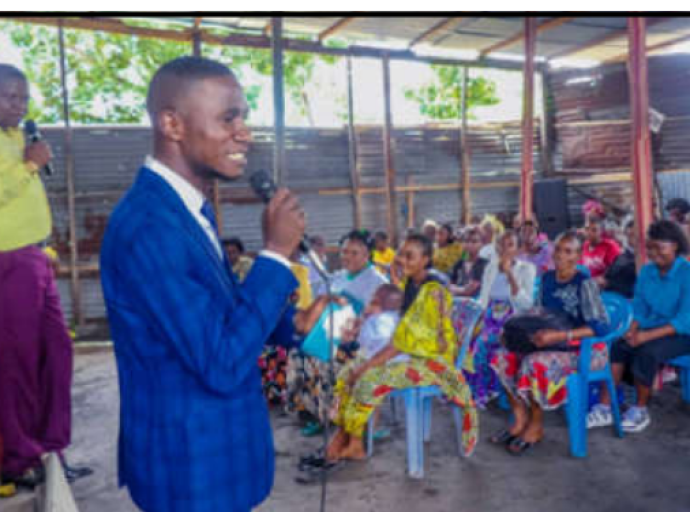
(441, 98)
(108, 74)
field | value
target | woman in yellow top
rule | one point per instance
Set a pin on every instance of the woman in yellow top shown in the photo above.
(421, 353)
(448, 251)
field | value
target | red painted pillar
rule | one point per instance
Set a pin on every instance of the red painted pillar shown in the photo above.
(527, 170)
(641, 145)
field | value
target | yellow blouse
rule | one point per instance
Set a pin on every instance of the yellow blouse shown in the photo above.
(24, 211)
(301, 273)
(383, 258)
(446, 257)
(426, 330)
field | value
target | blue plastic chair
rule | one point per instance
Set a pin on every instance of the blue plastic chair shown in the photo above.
(620, 317)
(683, 363)
(466, 314)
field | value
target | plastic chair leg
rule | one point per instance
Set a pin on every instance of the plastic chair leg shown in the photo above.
(577, 427)
(370, 436)
(414, 426)
(615, 407)
(395, 405)
(685, 384)
(427, 405)
(457, 417)
(503, 400)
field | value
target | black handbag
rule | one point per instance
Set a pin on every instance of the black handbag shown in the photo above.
(518, 331)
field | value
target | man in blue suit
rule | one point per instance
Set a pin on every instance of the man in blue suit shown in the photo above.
(194, 427)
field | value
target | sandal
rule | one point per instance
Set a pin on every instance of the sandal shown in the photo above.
(382, 434)
(502, 437)
(315, 460)
(314, 474)
(312, 429)
(518, 446)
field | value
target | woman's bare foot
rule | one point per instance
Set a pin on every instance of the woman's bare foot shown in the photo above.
(520, 421)
(338, 443)
(354, 450)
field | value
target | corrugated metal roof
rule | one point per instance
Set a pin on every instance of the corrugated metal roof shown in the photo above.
(474, 33)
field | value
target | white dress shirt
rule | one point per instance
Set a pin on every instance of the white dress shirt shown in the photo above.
(193, 199)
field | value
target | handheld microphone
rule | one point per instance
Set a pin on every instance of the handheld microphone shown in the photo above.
(32, 133)
(265, 188)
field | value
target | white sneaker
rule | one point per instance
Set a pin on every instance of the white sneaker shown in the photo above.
(636, 419)
(600, 416)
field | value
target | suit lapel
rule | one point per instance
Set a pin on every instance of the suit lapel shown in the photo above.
(189, 224)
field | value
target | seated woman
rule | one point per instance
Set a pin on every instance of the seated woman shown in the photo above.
(661, 326)
(507, 287)
(426, 335)
(273, 360)
(534, 248)
(466, 276)
(536, 381)
(491, 229)
(357, 282)
(241, 264)
(600, 250)
(621, 275)
(448, 250)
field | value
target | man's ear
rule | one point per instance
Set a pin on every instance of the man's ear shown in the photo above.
(171, 125)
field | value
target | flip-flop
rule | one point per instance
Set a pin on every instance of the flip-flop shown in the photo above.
(314, 474)
(502, 437)
(317, 454)
(311, 462)
(518, 446)
(312, 429)
(381, 434)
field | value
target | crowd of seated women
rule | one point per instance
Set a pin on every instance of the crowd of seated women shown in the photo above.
(540, 298)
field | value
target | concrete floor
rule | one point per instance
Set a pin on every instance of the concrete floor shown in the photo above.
(643, 473)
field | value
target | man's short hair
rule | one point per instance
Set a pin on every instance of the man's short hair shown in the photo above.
(173, 80)
(10, 72)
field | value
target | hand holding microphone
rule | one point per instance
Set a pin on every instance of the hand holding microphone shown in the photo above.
(283, 219)
(37, 151)
(283, 223)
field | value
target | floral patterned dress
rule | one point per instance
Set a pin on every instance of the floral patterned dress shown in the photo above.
(273, 361)
(540, 377)
(425, 333)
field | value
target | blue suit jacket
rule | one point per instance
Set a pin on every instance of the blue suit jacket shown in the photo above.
(194, 426)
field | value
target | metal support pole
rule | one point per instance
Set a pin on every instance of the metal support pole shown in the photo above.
(278, 101)
(466, 196)
(75, 286)
(352, 154)
(641, 144)
(546, 127)
(389, 164)
(527, 171)
(196, 38)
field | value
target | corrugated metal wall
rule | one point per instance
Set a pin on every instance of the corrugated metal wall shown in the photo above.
(592, 112)
(107, 160)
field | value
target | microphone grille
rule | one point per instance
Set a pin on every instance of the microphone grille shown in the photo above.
(262, 184)
(30, 127)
